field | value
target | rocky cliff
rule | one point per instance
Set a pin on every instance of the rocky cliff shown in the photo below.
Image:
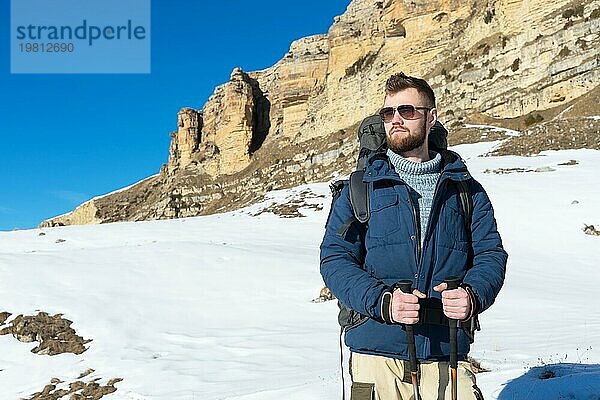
(524, 64)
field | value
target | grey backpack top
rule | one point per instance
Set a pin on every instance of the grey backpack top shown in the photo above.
(371, 135)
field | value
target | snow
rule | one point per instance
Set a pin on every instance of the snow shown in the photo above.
(563, 112)
(491, 128)
(218, 307)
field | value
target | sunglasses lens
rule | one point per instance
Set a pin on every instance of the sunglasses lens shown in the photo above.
(387, 113)
(407, 112)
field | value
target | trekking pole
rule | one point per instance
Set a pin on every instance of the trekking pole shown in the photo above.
(406, 287)
(453, 282)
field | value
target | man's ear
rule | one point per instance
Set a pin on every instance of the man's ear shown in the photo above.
(432, 116)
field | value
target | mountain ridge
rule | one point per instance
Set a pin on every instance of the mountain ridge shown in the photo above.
(508, 62)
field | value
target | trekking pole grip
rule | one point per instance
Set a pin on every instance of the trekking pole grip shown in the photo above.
(405, 286)
(453, 282)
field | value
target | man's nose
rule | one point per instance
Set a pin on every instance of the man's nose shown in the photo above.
(397, 119)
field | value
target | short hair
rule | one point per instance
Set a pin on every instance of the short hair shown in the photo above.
(400, 81)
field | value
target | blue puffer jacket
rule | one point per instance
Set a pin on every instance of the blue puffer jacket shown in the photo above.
(359, 265)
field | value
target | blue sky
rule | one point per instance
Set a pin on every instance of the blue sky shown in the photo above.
(69, 137)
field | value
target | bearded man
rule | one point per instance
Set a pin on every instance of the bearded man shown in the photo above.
(416, 231)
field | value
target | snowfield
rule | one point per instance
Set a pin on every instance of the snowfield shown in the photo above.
(219, 307)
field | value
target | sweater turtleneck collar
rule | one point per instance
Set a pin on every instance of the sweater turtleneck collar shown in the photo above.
(406, 166)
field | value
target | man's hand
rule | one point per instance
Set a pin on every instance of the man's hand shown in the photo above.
(405, 306)
(456, 302)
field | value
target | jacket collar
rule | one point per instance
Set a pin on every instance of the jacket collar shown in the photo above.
(378, 167)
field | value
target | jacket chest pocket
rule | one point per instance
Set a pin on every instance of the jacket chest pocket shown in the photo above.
(452, 229)
(385, 215)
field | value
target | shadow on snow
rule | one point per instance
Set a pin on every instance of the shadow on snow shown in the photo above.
(555, 381)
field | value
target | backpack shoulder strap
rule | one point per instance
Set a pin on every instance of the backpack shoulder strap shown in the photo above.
(466, 202)
(359, 196)
(359, 199)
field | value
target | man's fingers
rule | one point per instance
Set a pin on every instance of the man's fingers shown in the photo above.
(457, 302)
(455, 309)
(401, 306)
(405, 307)
(441, 287)
(414, 296)
(459, 313)
(410, 314)
(409, 321)
(405, 317)
(459, 293)
(409, 307)
(407, 297)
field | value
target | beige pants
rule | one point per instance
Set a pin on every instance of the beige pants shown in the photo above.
(383, 378)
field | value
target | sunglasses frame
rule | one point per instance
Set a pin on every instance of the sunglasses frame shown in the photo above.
(403, 108)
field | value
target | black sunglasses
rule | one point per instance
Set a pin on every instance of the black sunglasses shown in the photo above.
(406, 111)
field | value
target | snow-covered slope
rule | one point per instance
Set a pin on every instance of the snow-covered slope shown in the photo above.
(219, 307)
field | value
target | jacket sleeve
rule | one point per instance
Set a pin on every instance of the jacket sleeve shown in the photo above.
(342, 258)
(486, 276)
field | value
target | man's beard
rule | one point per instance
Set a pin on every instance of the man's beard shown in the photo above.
(403, 142)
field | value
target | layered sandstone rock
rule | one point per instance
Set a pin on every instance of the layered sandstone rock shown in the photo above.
(500, 61)
(229, 115)
(186, 139)
(87, 213)
(292, 82)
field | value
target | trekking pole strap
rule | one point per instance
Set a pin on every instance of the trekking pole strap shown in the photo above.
(342, 364)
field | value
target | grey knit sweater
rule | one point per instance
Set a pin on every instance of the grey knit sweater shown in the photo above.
(421, 177)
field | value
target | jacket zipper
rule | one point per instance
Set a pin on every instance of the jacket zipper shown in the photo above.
(433, 204)
(417, 233)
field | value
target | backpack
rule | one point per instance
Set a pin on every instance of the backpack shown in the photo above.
(371, 135)
(372, 139)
